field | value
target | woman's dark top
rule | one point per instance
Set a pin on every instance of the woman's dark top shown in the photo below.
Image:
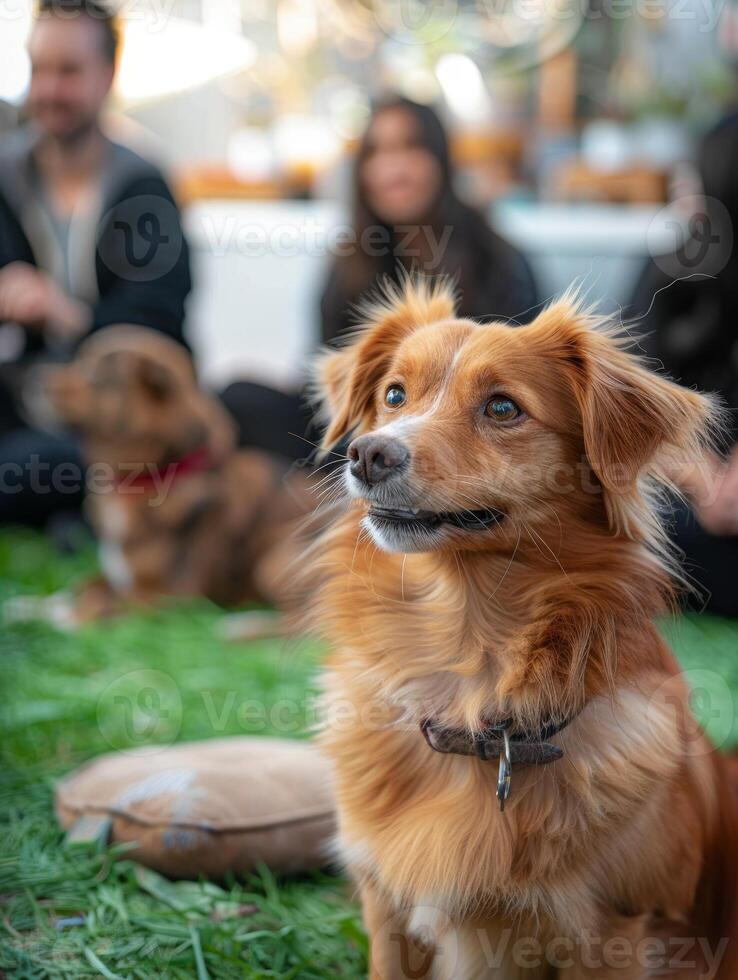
(687, 302)
(494, 280)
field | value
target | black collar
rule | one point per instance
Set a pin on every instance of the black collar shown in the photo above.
(526, 748)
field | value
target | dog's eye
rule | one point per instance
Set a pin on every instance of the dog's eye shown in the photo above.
(395, 396)
(502, 409)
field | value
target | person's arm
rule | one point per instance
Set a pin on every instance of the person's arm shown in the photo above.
(661, 307)
(712, 489)
(14, 246)
(143, 262)
(31, 298)
(28, 296)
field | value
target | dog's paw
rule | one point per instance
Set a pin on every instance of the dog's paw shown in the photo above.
(58, 610)
(253, 625)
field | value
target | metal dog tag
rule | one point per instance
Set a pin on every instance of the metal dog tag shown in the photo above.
(504, 774)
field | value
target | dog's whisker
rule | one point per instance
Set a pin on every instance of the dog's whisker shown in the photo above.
(362, 533)
(328, 480)
(328, 487)
(317, 469)
(317, 446)
(330, 495)
(507, 568)
(553, 556)
(331, 474)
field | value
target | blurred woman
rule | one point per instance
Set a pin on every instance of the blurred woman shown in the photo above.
(407, 216)
(406, 204)
(688, 307)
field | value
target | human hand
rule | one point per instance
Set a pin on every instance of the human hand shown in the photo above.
(717, 510)
(30, 297)
(25, 296)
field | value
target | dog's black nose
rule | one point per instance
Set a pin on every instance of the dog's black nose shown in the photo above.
(376, 457)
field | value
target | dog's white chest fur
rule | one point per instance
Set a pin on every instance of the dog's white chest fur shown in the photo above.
(113, 562)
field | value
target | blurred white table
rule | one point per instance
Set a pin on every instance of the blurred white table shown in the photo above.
(260, 267)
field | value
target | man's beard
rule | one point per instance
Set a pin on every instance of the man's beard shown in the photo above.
(80, 131)
(79, 134)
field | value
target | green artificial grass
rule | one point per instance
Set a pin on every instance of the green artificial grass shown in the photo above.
(165, 676)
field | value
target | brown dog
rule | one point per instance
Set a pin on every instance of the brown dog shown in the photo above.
(490, 594)
(177, 511)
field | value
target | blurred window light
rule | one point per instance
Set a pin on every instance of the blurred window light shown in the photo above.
(414, 21)
(297, 26)
(160, 55)
(607, 146)
(463, 88)
(15, 65)
(344, 104)
(224, 15)
(305, 142)
(179, 56)
(517, 35)
(251, 154)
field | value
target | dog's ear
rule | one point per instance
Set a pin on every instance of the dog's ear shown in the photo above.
(347, 379)
(634, 420)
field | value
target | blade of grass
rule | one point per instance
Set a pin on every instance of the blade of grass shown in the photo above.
(202, 973)
(98, 964)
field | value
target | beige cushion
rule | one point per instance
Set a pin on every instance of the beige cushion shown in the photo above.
(207, 808)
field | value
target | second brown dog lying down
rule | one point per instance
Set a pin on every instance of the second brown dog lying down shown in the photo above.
(177, 510)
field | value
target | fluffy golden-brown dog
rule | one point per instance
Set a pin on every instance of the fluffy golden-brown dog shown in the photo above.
(489, 594)
(177, 510)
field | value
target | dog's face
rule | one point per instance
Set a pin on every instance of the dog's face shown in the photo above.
(133, 398)
(465, 434)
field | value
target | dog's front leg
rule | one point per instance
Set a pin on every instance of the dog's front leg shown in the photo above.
(66, 610)
(617, 952)
(394, 953)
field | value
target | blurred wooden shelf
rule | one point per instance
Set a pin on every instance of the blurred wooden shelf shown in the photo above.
(493, 157)
(632, 185)
(213, 182)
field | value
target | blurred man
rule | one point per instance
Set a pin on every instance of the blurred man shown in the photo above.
(89, 236)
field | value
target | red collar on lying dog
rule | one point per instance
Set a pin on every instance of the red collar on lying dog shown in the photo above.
(151, 477)
(512, 747)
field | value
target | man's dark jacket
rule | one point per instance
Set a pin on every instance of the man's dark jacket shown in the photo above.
(130, 260)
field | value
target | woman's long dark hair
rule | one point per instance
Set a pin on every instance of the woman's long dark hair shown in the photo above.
(493, 279)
